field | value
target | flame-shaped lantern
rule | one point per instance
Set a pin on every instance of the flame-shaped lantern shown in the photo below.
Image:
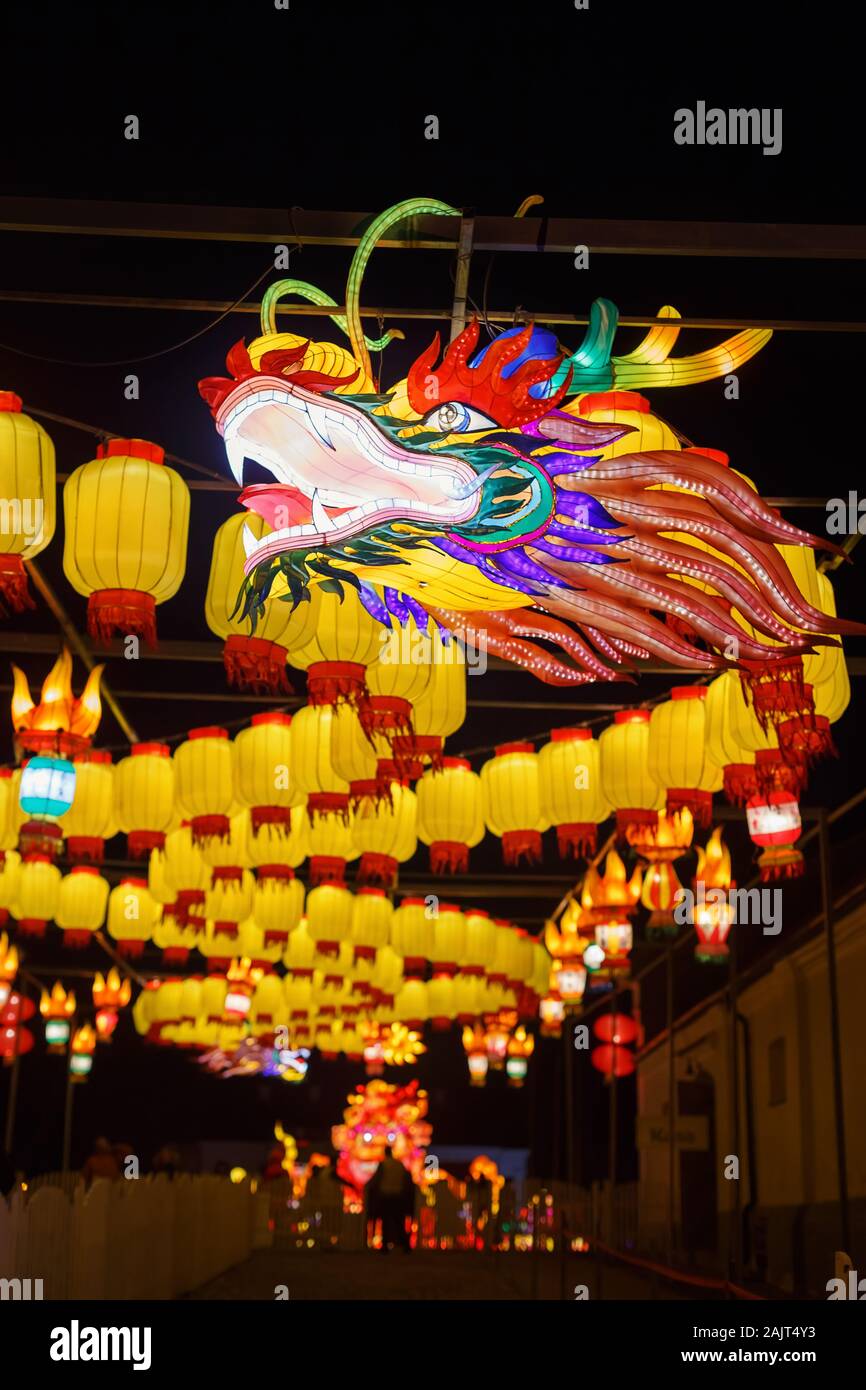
(661, 845)
(61, 723)
(713, 913)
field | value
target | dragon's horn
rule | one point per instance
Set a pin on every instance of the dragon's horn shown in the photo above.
(658, 343)
(632, 373)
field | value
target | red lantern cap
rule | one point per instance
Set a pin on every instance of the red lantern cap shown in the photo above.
(11, 402)
(131, 448)
(454, 762)
(570, 735)
(271, 717)
(689, 692)
(614, 400)
(631, 716)
(208, 731)
(503, 749)
(152, 750)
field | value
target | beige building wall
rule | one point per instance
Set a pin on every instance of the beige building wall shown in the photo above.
(792, 1227)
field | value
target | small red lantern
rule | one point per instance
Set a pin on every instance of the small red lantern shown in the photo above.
(774, 823)
(619, 1029)
(612, 1060)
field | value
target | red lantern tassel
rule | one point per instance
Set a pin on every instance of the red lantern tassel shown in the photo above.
(85, 849)
(332, 682)
(13, 584)
(576, 839)
(325, 803)
(139, 843)
(205, 828)
(280, 816)
(740, 782)
(76, 939)
(175, 955)
(449, 857)
(700, 804)
(125, 611)
(627, 817)
(780, 861)
(380, 870)
(521, 844)
(777, 689)
(773, 774)
(253, 663)
(327, 868)
(806, 738)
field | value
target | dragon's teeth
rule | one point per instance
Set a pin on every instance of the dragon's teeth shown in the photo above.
(321, 520)
(248, 539)
(236, 454)
(319, 422)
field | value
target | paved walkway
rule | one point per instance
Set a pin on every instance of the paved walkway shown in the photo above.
(422, 1275)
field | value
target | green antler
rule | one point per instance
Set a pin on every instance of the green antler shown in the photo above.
(304, 290)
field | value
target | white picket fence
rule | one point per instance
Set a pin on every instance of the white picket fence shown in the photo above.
(131, 1239)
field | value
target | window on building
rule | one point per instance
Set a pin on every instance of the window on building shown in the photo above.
(778, 1081)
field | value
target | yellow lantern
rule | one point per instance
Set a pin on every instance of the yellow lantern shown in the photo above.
(344, 641)
(312, 770)
(572, 799)
(466, 999)
(185, 872)
(10, 874)
(626, 780)
(352, 755)
(449, 940)
(480, 942)
(438, 710)
(441, 1002)
(329, 917)
(677, 755)
(204, 781)
(127, 520)
(9, 811)
(262, 758)
(252, 662)
(412, 930)
(89, 822)
(37, 894)
(371, 922)
(174, 939)
(278, 903)
(411, 1005)
(450, 818)
(132, 914)
(27, 495)
(81, 903)
(383, 832)
(144, 796)
(512, 801)
(330, 843)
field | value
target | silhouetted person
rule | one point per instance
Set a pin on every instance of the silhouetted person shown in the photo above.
(101, 1163)
(167, 1161)
(391, 1198)
(7, 1173)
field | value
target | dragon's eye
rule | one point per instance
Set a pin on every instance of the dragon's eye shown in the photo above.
(455, 418)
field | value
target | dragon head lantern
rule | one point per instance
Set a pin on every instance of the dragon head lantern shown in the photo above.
(511, 490)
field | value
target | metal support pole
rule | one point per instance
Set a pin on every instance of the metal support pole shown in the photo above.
(568, 1034)
(12, 1099)
(835, 1039)
(672, 1110)
(612, 1139)
(461, 277)
(67, 1122)
(734, 1234)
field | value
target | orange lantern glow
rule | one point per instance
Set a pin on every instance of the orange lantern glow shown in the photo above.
(60, 724)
